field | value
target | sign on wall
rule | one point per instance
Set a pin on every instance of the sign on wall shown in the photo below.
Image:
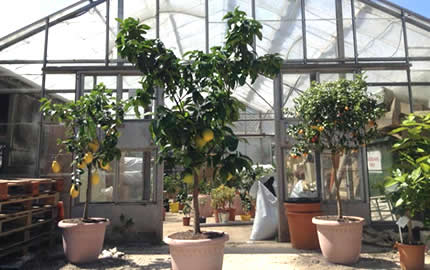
(374, 160)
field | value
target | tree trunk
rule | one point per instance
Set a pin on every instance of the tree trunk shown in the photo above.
(196, 204)
(88, 193)
(334, 167)
(410, 236)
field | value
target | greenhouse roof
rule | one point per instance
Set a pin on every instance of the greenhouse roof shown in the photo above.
(323, 37)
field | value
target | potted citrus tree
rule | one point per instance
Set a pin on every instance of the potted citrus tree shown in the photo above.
(409, 186)
(337, 116)
(194, 131)
(92, 134)
(221, 199)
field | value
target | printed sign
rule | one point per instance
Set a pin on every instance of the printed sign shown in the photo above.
(374, 161)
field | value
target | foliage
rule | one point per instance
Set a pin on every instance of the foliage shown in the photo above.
(410, 182)
(222, 197)
(195, 131)
(92, 124)
(245, 201)
(187, 208)
(171, 183)
(337, 116)
(182, 196)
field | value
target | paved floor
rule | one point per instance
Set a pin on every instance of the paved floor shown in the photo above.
(240, 253)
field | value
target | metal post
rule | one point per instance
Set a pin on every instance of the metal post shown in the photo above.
(207, 25)
(107, 32)
(339, 30)
(43, 93)
(157, 18)
(305, 52)
(408, 70)
(354, 32)
(254, 43)
(283, 233)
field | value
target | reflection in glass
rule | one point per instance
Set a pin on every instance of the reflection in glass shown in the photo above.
(300, 175)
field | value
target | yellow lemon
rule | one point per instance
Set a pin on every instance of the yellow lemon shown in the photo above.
(82, 165)
(208, 135)
(95, 178)
(200, 142)
(320, 128)
(229, 176)
(56, 168)
(188, 179)
(104, 167)
(88, 158)
(94, 146)
(74, 192)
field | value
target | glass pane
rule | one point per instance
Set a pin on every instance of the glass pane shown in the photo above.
(300, 176)
(136, 176)
(218, 8)
(418, 41)
(421, 95)
(182, 25)
(103, 191)
(293, 86)
(348, 174)
(420, 71)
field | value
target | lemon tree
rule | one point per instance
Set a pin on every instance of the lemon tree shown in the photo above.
(92, 134)
(336, 116)
(196, 130)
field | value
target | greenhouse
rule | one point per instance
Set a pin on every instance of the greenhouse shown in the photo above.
(64, 56)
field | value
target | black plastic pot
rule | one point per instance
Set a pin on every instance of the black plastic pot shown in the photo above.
(202, 219)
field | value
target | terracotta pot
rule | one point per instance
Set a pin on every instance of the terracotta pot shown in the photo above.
(253, 209)
(411, 256)
(340, 242)
(83, 242)
(205, 254)
(186, 221)
(237, 204)
(232, 214)
(215, 211)
(181, 206)
(303, 232)
(245, 217)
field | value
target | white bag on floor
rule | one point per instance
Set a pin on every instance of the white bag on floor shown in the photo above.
(266, 215)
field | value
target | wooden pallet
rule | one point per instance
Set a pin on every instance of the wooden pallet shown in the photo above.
(25, 221)
(21, 188)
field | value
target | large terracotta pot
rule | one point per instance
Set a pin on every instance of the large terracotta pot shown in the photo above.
(237, 205)
(303, 232)
(411, 256)
(340, 242)
(83, 242)
(205, 254)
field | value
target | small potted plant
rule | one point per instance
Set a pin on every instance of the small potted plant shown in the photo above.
(186, 210)
(245, 201)
(221, 198)
(195, 131)
(92, 124)
(338, 116)
(409, 186)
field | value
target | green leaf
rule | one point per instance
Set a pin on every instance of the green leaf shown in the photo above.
(399, 202)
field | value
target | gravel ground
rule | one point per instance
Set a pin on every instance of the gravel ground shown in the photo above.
(261, 255)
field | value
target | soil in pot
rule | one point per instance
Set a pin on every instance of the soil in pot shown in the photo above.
(411, 256)
(197, 252)
(186, 221)
(83, 241)
(340, 241)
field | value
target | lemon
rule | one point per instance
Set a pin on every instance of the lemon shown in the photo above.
(94, 146)
(104, 167)
(95, 179)
(200, 142)
(56, 168)
(188, 179)
(88, 158)
(208, 135)
(82, 165)
(229, 176)
(74, 192)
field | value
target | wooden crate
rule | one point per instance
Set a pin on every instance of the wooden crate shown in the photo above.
(27, 221)
(21, 188)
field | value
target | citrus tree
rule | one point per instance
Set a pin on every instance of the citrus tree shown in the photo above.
(337, 116)
(195, 131)
(409, 185)
(92, 134)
